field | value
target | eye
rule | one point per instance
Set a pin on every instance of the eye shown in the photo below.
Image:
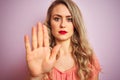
(56, 18)
(69, 19)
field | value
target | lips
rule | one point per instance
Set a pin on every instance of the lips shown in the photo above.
(62, 32)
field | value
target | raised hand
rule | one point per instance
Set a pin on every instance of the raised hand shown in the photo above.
(40, 57)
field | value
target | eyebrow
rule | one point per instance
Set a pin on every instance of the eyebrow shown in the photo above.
(61, 16)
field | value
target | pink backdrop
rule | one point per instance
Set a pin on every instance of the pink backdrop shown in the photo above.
(102, 19)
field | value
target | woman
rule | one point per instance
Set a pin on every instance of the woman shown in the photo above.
(64, 54)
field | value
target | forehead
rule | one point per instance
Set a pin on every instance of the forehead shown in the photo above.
(60, 9)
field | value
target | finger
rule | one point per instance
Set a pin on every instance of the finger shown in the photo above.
(34, 38)
(40, 34)
(55, 52)
(27, 44)
(45, 36)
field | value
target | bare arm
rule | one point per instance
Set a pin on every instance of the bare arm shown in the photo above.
(35, 78)
(97, 77)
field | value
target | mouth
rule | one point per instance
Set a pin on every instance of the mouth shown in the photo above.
(62, 32)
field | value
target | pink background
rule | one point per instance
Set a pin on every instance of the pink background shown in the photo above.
(102, 19)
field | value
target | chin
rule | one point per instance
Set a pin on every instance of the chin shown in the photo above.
(63, 39)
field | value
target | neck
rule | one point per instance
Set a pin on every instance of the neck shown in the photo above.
(66, 47)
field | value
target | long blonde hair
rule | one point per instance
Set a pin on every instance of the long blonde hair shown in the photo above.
(82, 51)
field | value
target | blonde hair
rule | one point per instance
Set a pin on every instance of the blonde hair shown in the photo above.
(82, 51)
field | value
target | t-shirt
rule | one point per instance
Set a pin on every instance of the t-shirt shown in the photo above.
(70, 74)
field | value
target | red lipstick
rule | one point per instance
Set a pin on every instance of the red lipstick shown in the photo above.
(62, 32)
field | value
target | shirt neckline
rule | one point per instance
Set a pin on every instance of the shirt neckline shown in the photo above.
(72, 69)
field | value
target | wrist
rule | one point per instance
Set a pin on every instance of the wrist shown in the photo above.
(40, 77)
(36, 77)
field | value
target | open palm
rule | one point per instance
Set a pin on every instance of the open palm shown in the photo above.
(40, 58)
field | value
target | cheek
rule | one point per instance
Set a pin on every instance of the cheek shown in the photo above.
(54, 30)
(72, 29)
(52, 27)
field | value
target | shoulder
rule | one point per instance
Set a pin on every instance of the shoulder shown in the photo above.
(95, 65)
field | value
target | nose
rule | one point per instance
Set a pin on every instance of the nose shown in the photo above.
(63, 23)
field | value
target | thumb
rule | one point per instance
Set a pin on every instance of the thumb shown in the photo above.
(55, 52)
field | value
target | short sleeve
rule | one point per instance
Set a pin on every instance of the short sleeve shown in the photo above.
(96, 69)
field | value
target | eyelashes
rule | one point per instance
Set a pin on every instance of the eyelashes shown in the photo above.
(57, 19)
(69, 19)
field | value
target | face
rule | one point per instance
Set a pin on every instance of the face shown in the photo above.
(61, 23)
